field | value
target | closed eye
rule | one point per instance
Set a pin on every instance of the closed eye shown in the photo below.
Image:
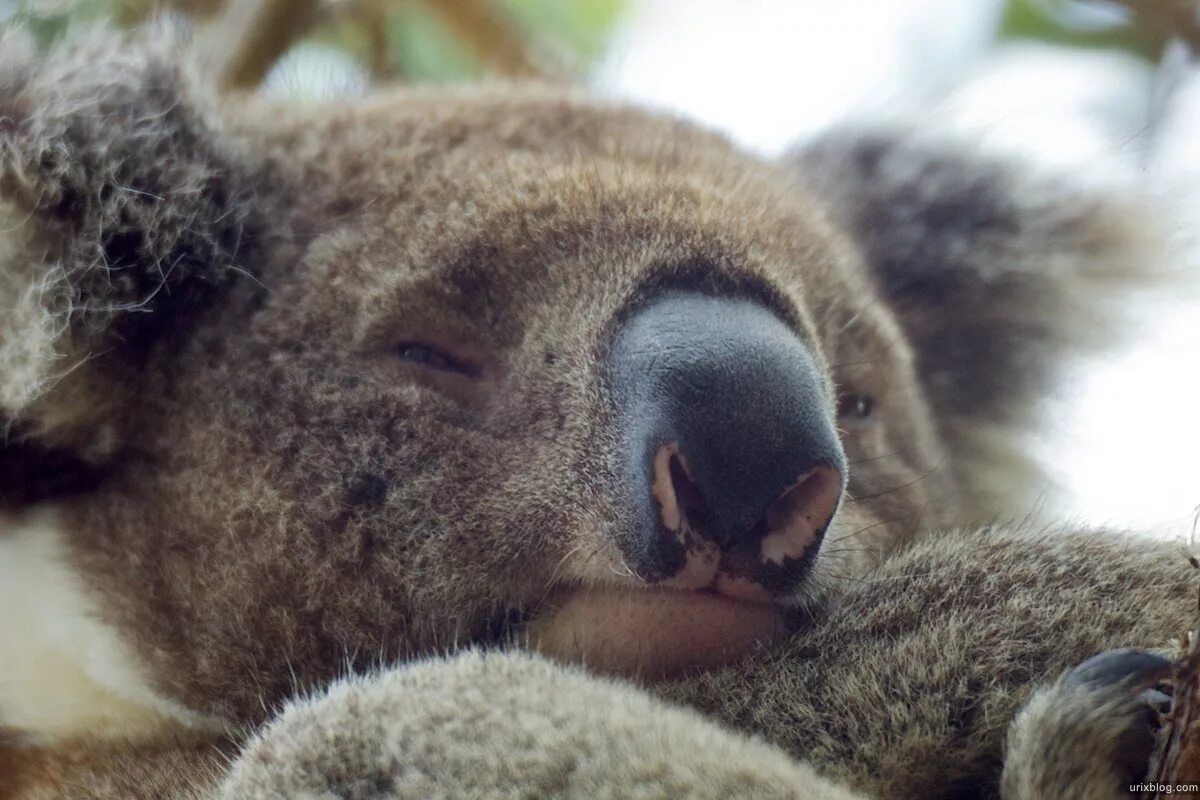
(435, 358)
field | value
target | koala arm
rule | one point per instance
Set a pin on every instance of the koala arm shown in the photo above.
(506, 725)
(908, 685)
(473, 725)
(921, 681)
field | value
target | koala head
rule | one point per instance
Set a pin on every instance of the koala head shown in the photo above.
(306, 388)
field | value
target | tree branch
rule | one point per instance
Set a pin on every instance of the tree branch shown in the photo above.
(490, 34)
(250, 36)
(1179, 19)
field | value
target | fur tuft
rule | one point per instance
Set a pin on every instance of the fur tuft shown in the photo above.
(121, 205)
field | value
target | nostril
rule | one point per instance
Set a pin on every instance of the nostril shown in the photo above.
(799, 517)
(790, 526)
(680, 504)
(663, 486)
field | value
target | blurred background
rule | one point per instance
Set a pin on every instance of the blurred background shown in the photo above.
(1108, 91)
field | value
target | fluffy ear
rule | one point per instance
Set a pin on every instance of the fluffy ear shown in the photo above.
(122, 210)
(998, 275)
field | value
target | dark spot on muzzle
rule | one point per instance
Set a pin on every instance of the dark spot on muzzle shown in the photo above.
(366, 491)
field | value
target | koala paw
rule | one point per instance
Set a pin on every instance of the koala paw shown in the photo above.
(506, 725)
(1092, 733)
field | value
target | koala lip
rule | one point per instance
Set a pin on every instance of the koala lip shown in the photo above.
(655, 632)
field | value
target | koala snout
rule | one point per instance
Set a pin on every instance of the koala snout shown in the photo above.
(730, 458)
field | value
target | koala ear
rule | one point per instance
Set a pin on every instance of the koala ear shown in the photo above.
(998, 276)
(123, 208)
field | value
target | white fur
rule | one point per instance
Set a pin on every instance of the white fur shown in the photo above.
(63, 672)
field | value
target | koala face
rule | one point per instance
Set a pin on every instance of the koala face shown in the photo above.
(359, 382)
(416, 432)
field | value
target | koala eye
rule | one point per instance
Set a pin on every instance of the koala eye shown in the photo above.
(856, 408)
(431, 357)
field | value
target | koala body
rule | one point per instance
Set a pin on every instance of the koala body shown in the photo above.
(442, 376)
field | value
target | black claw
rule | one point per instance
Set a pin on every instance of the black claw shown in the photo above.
(1124, 666)
(1141, 673)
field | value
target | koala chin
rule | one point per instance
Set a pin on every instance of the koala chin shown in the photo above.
(323, 424)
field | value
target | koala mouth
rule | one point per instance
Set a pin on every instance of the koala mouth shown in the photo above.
(721, 603)
(655, 632)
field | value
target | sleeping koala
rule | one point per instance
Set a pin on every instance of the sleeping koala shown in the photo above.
(502, 442)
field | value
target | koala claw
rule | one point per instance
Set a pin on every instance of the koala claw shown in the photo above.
(1122, 666)
(1092, 733)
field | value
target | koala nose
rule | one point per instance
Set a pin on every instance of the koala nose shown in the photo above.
(730, 457)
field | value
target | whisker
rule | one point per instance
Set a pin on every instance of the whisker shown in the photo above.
(860, 363)
(857, 462)
(835, 550)
(913, 482)
(861, 530)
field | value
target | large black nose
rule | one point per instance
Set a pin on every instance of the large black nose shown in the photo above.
(730, 457)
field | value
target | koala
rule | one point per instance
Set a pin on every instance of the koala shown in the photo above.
(498, 441)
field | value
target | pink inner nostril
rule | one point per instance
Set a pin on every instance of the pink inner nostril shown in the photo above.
(669, 466)
(792, 522)
(800, 514)
(678, 498)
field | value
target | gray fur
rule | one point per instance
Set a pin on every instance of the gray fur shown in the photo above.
(89, 148)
